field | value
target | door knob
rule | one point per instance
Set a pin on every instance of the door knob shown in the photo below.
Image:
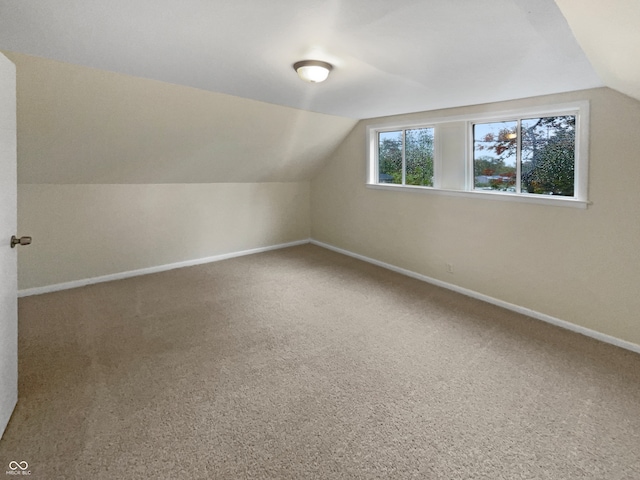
(20, 241)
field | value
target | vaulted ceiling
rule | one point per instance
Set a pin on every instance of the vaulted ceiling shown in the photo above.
(80, 125)
(390, 57)
(609, 34)
(203, 91)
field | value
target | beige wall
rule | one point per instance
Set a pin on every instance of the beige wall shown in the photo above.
(577, 265)
(85, 231)
(118, 173)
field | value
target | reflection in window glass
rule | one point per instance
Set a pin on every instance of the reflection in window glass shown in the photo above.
(527, 154)
(548, 155)
(495, 156)
(390, 157)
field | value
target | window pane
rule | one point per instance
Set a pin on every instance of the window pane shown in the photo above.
(548, 155)
(390, 157)
(494, 156)
(419, 156)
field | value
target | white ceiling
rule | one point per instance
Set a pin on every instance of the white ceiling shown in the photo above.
(609, 33)
(390, 56)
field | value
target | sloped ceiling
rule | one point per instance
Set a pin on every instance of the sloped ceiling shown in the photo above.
(609, 34)
(390, 56)
(202, 91)
(79, 125)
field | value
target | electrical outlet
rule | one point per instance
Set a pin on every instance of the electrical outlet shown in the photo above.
(450, 267)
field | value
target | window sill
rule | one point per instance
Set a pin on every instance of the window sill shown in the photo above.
(548, 200)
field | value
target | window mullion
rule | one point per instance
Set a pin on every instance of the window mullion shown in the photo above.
(519, 157)
(556, 142)
(404, 157)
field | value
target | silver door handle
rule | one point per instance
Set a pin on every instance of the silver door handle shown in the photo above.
(20, 241)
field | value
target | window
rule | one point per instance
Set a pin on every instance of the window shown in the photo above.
(538, 155)
(528, 155)
(405, 157)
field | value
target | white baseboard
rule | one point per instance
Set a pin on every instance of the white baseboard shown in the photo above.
(216, 258)
(494, 301)
(145, 271)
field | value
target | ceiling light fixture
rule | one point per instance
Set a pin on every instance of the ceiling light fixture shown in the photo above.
(313, 71)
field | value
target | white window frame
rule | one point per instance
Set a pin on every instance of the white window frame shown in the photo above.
(373, 170)
(581, 180)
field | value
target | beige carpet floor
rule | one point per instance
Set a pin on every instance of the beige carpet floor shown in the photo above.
(305, 364)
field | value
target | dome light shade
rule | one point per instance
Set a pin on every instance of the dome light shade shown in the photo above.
(313, 71)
